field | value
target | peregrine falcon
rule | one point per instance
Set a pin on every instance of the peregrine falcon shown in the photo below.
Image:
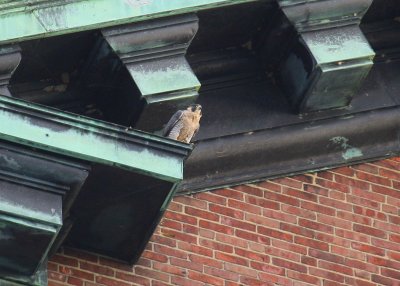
(184, 124)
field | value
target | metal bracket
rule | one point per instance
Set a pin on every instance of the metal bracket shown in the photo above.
(330, 57)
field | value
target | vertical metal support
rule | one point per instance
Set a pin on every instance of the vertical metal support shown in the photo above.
(154, 54)
(10, 57)
(330, 58)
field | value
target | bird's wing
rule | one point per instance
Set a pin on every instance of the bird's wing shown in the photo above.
(171, 123)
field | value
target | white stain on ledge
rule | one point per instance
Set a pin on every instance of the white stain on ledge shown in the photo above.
(349, 152)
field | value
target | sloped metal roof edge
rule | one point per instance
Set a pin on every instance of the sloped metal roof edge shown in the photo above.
(292, 150)
(39, 19)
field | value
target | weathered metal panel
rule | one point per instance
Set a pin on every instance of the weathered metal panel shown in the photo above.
(37, 19)
(91, 140)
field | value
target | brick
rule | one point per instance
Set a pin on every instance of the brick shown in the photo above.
(249, 190)
(296, 230)
(57, 276)
(368, 195)
(387, 226)
(366, 168)
(186, 264)
(205, 261)
(96, 268)
(395, 175)
(282, 199)
(368, 248)
(267, 268)
(362, 202)
(194, 248)
(344, 171)
(383, 280)
(391, 273)
(155, 256)
(211, 197)
(369, 231)
(386, 191)
(231, 258)
(386, 244)
(215, 227)
(262, 202)
(274, 233)
(318, 208)
(235, 213)
(299, 212)
(76, 273)
(308, 261)
(252, 255)
(346, 252)
(167, 241)
(166, 223)
(304, 178)
(75, 281)
(335, 204)
(326, 256)
(287, 255)
(334, 221)
(249, 208)
(182, 281)
(298, 249)
(226, 275)
(214, 245)
(201, 214)
(373, 179)
(238, 224)
(151, 273)
(270, 186)
(289, 182)
(229, 193)
(338, 278)
(316, 190)
(288, 264)
(335, 267)
(191, 201)
(316, 226)
(169, 269)
(170, 251)
(312, 243)
(303, 277)
(236, 241)
(115, 264)
(110, 282)
(353, 235)
(352, 182)
(132, 278)
(333, 186)
(299, 194)
(379, 261)
(332, 239)
(264, 221)
(357, 264)
(180, 217)
(279, 216)
(241, 270)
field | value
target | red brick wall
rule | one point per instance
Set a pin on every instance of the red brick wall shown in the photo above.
(339, 227)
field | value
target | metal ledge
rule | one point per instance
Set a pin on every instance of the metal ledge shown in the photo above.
(91, 140)
(41, 18)
(294, 149)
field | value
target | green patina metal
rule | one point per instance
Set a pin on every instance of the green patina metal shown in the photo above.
(30, 19)
(90, 140)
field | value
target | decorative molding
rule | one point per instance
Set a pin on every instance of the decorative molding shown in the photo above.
(36, 193)
(10, 57)
(329, 58)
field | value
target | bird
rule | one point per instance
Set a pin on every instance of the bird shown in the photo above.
(184, 124)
